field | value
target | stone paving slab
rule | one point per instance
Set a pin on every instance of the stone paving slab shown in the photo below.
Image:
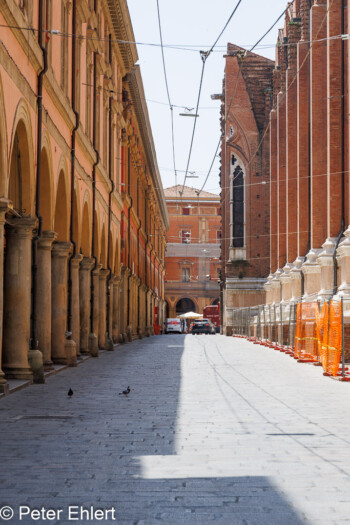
(214, 430)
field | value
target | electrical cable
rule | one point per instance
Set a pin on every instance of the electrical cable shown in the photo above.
(168, 93)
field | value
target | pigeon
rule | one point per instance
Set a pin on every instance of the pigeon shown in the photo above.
(125, 392)
(70, 393)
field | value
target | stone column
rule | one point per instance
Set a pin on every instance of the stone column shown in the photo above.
(109, 314)
(93, 337)
(312, 274)
(17, 297)
(60, 253)
(4, 207)
(326, 263)
(43, 301)
(102, 325)
(115, 317)
(75, 306)
(84, 302)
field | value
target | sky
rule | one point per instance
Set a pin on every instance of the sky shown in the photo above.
(198, 23)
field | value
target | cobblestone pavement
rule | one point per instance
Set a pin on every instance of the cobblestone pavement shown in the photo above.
(215, 429)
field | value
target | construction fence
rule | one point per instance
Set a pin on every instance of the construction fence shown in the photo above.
(311, 332)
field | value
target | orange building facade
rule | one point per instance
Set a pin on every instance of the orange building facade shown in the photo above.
(82, 209)
(193, 250)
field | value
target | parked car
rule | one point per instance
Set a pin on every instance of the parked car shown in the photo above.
(174, 325)
(203, 326)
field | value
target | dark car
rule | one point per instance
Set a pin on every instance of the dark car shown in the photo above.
(202, 326)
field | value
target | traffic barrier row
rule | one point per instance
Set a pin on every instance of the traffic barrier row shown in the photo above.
(310, 332)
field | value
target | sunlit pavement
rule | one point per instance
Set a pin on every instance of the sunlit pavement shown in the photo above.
(215, 429)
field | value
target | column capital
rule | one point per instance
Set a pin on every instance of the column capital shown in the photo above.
(5, 206)
(103, 274)
(76, 260)
(21, 227)
(115, 280)
(96, 270)
(46, 239)
(61, 249)
(87, 263)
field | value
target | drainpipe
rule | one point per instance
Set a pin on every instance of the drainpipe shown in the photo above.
(74, 131)
(34, 335)
(93, 338)
(342, 223)
(109, 336)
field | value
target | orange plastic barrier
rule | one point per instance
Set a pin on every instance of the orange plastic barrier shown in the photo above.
(318, 335)
(334, 346)
(306, 342)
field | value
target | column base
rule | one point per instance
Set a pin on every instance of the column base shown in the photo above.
(35, 359)
(109, 343)
(18, 373)
(71, 352)
(48, 366)
(93, 345)
(4, 386)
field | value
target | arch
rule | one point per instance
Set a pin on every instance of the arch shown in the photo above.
(184, 305)
(3, 145)
(61, 210)
(46, 185)
(85, 238)
(21, 172)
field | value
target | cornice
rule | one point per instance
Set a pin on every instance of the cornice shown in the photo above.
(120, 17)
(137, 93)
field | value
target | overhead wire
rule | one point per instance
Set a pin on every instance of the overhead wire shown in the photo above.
(204, 56)
(167, 91)
(236, 83)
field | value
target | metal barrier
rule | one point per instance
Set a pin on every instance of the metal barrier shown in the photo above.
(310, 332)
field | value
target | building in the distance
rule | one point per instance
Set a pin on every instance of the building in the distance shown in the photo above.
(193, 249)
(246, 104)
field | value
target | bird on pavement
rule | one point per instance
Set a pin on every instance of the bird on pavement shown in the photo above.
(125, 392)
(70, 393)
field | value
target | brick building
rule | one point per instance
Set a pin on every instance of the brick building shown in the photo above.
(309, 127)
(245, 199)
(82, 210)
(193, 249)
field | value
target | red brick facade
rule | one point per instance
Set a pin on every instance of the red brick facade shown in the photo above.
(309, 160)
(245, 197)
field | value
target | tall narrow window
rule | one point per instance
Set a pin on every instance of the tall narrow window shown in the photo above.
(238, 208)
(185, 275)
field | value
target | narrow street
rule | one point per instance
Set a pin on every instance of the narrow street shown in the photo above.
(215, 429)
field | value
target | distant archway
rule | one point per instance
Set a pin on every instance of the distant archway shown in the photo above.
(185, 305)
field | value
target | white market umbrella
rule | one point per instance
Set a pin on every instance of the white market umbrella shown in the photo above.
(190, 315)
